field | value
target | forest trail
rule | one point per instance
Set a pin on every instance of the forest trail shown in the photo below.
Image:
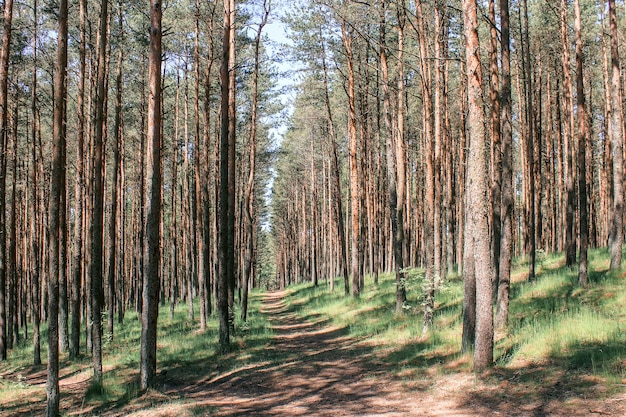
(315, 369)
(311, 368)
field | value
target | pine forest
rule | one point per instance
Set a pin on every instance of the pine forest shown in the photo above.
(312, 207)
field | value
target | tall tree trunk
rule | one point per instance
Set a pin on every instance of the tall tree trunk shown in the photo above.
(336, 183)
(401, 162)
(249, 191)
(97, 225)
(199, 224)
(152, 203)
(429, 181)
(617, 141)
(570, 240)
(581, 107)
(5, 54)
(12, 324)
(496, 145)
(55, 209)
(36, 236)
(226, 234)
(232, 160)
(530, 147)
(392, 171)
(477, 198)
(79, 190)
(508, 202)
(430, 174)
(113, 223)
(607, 162)
(355, 183)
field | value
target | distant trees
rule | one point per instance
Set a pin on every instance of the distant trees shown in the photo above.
(417, 124)
(89, 143)
(391, 161)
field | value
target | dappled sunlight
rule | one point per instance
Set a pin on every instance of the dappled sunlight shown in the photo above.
(316, 370)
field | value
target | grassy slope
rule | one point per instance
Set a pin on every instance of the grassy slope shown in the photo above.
(559, 335)
(183, 352)
(555, 327)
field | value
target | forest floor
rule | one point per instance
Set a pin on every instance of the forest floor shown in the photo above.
(325, 372)
(312, 367)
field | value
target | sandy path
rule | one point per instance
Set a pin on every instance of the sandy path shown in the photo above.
(314, 369)
(327, 373)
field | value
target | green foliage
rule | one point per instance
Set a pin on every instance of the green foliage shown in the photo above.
(183, 354)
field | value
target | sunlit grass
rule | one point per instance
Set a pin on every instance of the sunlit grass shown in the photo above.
(553, 321)
(181, 350)
(555, 326)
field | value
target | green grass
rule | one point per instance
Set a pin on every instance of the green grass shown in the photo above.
(559, 335)
(554, 323)
(183, 352)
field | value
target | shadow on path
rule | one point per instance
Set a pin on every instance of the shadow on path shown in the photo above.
(312, 368)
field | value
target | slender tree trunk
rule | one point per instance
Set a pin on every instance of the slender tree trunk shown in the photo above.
(97, 225)
(429, 175)
(199, 224)
(152, 202)
(354, 168)
(79, 191)
(113, 224)
(232, 160)
(496, 145)
(55, 209)
(397, 228)
(336, 180)
(529, 148)
(401, 163)
(5, 54)
(12, 324)
(208, 173)
(607, 162)
(581, 107)
(226, 235)
(174, 288)
(570, 241)
(249, 203)
(36, 236)
(63, 297)
(508, 202)
(617, 141)
(186, 243)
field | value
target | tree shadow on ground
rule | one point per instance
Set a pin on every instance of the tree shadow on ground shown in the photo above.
(308, 368)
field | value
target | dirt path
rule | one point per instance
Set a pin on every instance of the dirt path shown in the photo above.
(315, 369)
(311, 368)
(323, 372)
